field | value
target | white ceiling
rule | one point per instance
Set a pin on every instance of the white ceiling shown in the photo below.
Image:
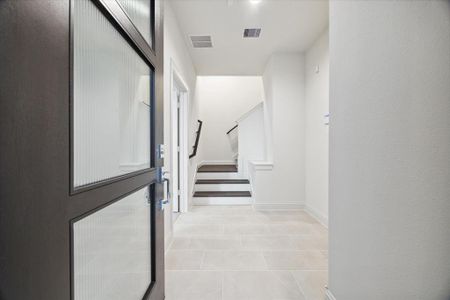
(287, 26)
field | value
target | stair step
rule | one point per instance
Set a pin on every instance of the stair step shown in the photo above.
(222, 187)
(218, 169)
(222, 201)
(223, 194)
(218, 175)
(222, 181)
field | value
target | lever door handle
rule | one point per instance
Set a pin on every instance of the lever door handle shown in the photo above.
(162, 202)
(167, 189)
(161, 180)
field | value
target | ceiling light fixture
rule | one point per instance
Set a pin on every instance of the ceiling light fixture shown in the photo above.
(255, 1)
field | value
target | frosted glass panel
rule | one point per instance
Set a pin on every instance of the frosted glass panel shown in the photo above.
(112, 251)
(111, 126)
(140, 14)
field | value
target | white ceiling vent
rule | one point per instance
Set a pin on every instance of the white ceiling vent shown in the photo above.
(252, 32)
(201, 41)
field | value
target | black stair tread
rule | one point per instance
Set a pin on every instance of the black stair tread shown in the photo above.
(223, 194)
(222, 181)
(218, 169)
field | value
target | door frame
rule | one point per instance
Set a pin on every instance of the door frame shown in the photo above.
(176, 80)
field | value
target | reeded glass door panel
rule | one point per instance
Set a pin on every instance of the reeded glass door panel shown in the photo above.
(112, 251)
(111, 100)
(140, 13)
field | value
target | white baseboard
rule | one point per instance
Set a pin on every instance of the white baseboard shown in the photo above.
(316, 215)
(329, 295)
(278, 206)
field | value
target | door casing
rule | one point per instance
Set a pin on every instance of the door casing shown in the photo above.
(177, 83)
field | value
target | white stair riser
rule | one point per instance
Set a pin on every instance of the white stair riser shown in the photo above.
(222, 200)
(212, 175)
(222, 187)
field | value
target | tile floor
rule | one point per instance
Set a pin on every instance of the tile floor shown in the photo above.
(236, 253)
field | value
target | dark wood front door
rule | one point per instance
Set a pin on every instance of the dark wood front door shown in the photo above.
(81, 121)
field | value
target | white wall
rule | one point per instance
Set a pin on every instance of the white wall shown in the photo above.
(176, 52)
(252, 139)
(284, 185)
(317, 105)
(223, 100)
(390, 150)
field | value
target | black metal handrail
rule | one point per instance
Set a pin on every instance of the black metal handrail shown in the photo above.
(197, 138)
(229, 131)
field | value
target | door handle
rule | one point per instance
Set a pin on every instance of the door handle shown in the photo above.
(165, 201)
(162, 180)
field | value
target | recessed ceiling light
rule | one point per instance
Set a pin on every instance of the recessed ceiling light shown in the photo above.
(255, 1)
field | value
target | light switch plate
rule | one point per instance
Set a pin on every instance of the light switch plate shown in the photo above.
(326, 119)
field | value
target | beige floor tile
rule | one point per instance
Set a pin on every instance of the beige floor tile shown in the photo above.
(197, 229)
(295, 260)
(290, 216)
(180, 243)
(312, 283)
(242, 219)
(217, 242)
(190, 218)
(236, 253)
(290, 228)
(222, 210)
(246, 229)
(193, 285)
(319, 230)
(267, 243)
(184, 259)
(310, 242)
(234, 260)
(260, 285)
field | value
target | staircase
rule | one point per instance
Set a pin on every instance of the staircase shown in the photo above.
(221, 185)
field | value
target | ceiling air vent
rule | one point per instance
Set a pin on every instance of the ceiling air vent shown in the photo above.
(252, 32)
(201, 41)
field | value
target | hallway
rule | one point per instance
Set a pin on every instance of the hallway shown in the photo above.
(236, 253)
